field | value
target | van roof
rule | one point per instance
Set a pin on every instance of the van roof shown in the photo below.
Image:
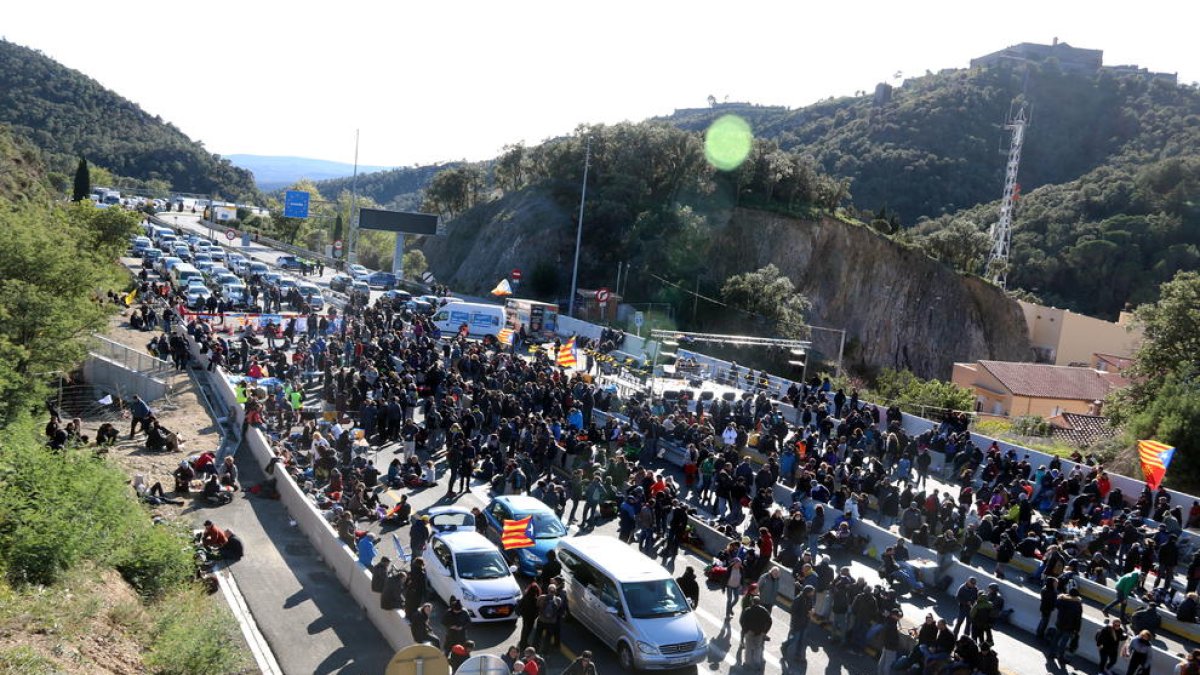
(466, 540)
(614, 556)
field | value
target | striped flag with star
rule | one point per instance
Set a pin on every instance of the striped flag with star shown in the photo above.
(1155, 458)
(566, 354)
(517, 533)
(504, 337)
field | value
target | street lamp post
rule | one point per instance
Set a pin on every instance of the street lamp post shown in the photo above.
(587, 159)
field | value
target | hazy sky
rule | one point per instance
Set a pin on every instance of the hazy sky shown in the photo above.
(447, 80)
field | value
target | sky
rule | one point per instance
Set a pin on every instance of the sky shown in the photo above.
(450, 80)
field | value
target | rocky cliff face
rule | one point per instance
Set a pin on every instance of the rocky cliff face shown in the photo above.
(484, 245)
(900, 308)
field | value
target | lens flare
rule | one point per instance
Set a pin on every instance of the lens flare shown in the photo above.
(727, 142)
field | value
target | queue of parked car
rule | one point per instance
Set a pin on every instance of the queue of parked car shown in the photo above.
(224, 274)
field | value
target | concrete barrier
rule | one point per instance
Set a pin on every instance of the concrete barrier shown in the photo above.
(336, 555)
(113, 376)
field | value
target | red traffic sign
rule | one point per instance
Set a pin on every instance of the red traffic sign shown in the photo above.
(602, 296)
(230, 234)
(338, 244)
(516, 274)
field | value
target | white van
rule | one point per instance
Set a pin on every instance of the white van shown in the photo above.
(181, 273)
(480, 318)
(631, 603)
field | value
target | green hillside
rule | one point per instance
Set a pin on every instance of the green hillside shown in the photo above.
(67, 115)
(934, 146)
(401, 189)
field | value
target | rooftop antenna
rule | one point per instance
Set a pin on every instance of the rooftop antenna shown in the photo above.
(1001, 232)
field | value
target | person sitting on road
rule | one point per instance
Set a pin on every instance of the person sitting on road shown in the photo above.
(229, 474)
(153, 494)
(213, 493)
(1147, 618)
(107, 435)
(184, 475)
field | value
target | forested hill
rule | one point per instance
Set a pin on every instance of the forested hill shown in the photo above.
(68, 115)
(934, 146)
(400, 188)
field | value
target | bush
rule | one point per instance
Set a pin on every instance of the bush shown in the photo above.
(58, 509)
(1030, 425)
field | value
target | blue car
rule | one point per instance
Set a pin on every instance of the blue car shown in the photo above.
(385, 280)
(547, 529)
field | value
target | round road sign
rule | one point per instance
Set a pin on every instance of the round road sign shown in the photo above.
(230, 234)
(602, 296)
(338, 244)
(516, 274)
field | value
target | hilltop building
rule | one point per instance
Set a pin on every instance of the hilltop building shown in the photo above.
(1064, 338)
(1070, 59)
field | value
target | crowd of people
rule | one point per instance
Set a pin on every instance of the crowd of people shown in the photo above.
(459, 411)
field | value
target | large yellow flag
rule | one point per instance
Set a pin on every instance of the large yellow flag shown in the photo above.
(130, 297)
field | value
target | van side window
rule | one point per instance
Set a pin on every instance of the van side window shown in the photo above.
(606, 591)
(581, 571)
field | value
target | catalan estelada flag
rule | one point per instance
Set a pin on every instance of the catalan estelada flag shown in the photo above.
(566, 354)
(517, 533)
(1155, 458)
(504, 337)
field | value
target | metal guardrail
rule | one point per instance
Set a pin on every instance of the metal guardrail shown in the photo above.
(132, 359)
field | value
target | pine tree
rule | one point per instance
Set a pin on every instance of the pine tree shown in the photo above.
(83, 182)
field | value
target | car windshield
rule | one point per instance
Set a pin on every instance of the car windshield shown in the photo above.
(481, 565)
(547, 526)
(651, 599)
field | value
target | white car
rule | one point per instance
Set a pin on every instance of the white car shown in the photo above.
(234, 292)
(463, 564)
(357, 272)
(197, 295)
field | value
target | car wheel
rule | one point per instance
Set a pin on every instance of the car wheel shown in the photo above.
(625, 656)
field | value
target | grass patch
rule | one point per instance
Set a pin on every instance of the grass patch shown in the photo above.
(195, 635)
(24, 660)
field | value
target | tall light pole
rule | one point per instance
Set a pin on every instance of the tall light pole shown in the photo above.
(587, 160)
(352, 241)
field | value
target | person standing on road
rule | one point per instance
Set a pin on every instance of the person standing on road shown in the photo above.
(527, 609)
(582, 665)
(456, 620)
(690, 586)
(966, 595)
(1069, 621)
(549, 606)
(802, 606)
(889, 639)
(1138, 651)
(1108, 642)
(1049, 599)
(756, 623)
(422, 630)
(768, 587)
(733, 586)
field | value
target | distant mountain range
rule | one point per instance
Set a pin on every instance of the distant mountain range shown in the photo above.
(273, 172)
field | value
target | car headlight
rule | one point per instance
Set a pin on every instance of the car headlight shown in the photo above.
(702, 643)
(527, 555)
(469, 596)
(646, 647)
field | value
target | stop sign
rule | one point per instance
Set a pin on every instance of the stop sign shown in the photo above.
(516, 274)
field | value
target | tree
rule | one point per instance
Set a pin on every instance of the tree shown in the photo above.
(83, 182)
(1163, 402)
(770, 297)
(337, 228)
(960, 244)
(414, 264)
(919, 396)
